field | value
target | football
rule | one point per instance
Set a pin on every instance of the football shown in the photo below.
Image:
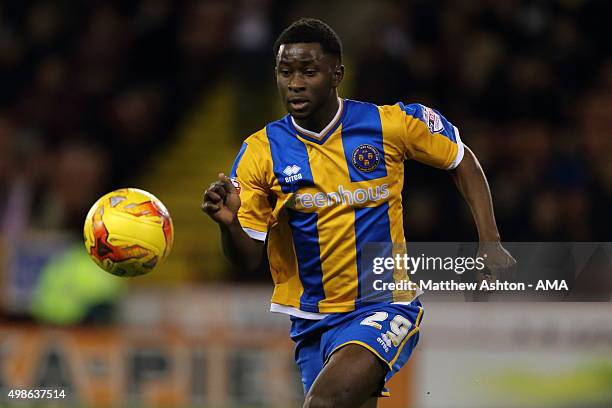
(128, 232)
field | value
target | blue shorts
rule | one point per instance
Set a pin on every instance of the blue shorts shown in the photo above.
(389, 331)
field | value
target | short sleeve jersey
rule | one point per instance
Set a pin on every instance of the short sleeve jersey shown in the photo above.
(321, 199)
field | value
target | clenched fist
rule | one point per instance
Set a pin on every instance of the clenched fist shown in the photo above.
(221, 201)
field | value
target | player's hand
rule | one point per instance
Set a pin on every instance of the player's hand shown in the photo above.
(221, 201)
(499, 264)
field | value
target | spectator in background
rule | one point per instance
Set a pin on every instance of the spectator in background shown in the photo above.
(72, 290)
(251, 39)
(22, 170)
(385, 53)
(62, 204)
(7, 174)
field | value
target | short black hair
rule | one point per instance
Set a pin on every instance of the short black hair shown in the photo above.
(311, 30)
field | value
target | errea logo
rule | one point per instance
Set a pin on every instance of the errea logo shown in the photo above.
(293, 173)
(291, 170)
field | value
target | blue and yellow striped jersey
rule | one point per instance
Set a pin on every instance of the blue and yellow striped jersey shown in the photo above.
(319, 199)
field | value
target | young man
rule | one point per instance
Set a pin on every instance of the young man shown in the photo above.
(321, 185)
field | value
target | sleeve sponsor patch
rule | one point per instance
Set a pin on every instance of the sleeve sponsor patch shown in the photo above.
(433, 120)
(236, 184)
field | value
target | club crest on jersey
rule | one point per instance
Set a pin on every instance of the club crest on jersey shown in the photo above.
(366, 158)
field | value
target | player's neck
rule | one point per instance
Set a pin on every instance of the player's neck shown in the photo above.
(323, 117)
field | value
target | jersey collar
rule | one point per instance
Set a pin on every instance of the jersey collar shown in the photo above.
(322, 136)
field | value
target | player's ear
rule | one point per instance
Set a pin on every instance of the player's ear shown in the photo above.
(338, 75)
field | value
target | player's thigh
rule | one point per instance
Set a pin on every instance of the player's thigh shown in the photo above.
(351, 378)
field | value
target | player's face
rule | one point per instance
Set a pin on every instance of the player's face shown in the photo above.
(306, 78)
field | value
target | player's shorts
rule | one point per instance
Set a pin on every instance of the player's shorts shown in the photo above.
(389, 331)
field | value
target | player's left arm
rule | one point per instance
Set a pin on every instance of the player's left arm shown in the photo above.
(472, 183)
(426, 136)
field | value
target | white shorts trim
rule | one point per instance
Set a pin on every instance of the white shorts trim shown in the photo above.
(258, 235)
(293, 311)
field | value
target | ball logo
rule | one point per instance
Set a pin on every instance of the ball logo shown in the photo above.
(366, 158)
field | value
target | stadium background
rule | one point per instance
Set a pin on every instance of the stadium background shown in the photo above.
(158, 94)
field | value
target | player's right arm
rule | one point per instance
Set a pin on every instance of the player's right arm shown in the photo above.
(244, 212)
(221, 202)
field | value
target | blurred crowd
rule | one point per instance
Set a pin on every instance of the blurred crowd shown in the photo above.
(95, 88)
(529, 85)
(91, 90)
